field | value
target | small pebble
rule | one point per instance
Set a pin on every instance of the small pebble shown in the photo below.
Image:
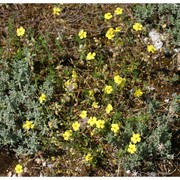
(38, 160)
(25, 169)
(9, 174)
(128, 171)
(44, 163)
(14, 175)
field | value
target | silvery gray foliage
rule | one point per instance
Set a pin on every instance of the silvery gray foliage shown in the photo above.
(19, 101)
(156, 15)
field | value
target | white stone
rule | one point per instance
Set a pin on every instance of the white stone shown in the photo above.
(156, 39)
(128, 171)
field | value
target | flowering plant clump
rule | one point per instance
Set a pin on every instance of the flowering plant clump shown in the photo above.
(134, 139)
(81, 92)
(20, 31)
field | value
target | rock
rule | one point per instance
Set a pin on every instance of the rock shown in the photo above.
(14, 175)
(38, 160)
(128, 172)
(44, 164)
(19, 175)
(9, 174)
(25, 169)
(41, 175)
(156, 39)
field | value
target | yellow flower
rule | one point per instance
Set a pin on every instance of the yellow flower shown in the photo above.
(53, 158)
(56, 10)
(74, 75)
(100, 124)
(114, 128)
(119, 80)
(123, 82)
(110, 33)
(132, 148)
(151, 48)
(138, 93)
(91, 93)
(67, 134)
(108, 16)
(18, 169)
(83, 114)
(20, 31)
(90, 56)
(135, 138)
(88, 157)
(93, 132)
(67, 83)
(70, 85)
(82, 34)
(74, 86)
(137, 26)
(76, 126)
(118, 11)
(117, 29)
(108, 89)
(109, 108)
(92, 121)
(95, 105)
(42, 98)
(28, 125)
